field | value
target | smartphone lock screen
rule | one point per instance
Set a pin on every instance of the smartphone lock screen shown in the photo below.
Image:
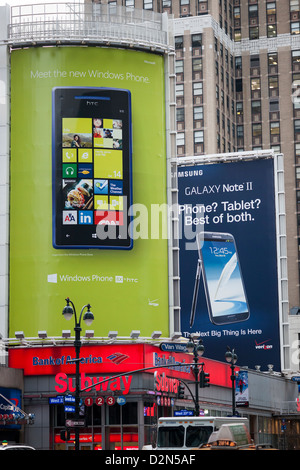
(223, 282)
(91, 168)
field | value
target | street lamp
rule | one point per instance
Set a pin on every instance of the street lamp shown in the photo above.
(197, 349)
(231, 357)
(88, 318)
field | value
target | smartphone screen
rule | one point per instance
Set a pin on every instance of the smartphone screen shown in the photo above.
(91, 168)
(223, 282)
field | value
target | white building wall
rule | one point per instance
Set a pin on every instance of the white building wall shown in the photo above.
(4, 171)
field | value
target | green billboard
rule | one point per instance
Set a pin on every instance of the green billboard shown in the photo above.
(127, 288)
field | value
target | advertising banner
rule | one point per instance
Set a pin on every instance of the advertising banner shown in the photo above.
(112, 360)
(88, 163)
(228, 259)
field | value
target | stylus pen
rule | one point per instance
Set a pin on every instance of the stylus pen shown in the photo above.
(195, 294)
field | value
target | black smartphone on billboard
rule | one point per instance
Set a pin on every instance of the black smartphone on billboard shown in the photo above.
(91, 170)
(222, 276)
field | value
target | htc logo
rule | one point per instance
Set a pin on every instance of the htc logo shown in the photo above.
(92, 103)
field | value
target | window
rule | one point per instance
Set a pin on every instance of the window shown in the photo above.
(273, 85)
(255, 84)
(179, 42)
(166, 3)
(256, 108)
(254, 61)
(253, 32)
(256, 130)
(273, 62)
(179, 89)
(271, 30)
(297, 126)
(237, 35)
(296, 60)
(274, 105)
(179, 66)
(198, 113)
(271, 8)
(170, 436)
(197, 64)
(238, 63)
(239, 108)
(198, 137)
(295, 27)
(196, 40)
(180, 139)
(197, 88)
(274, 128)
(237, 13)
(253, 11)
(294, 5)
(148, 4)
(180, 114)
(240, 132)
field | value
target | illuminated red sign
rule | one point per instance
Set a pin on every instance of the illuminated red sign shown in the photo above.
(66, 384)
(113, 359)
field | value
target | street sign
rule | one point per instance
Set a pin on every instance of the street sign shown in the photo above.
(88, 401)
(110, 401)
(183, 413)
(121, 400)
(69, 409)
(72, 423)
(173, 347)
(69, 399)
(59, 400)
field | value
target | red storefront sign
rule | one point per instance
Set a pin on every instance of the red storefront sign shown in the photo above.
(112, 359)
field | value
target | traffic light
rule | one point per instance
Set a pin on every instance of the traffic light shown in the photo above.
(180, 393)
(65, 434)
(204, 379)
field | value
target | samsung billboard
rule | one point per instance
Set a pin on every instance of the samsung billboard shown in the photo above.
(228, 259)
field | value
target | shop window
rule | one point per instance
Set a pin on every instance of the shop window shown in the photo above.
(129, 413)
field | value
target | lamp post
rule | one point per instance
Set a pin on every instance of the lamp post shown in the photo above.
(197, 349)
(88, 318)
(231, 357)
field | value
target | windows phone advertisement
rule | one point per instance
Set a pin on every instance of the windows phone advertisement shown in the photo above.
(88, 161)
(228, 259)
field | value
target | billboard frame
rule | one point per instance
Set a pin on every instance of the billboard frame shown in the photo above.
(281, 236)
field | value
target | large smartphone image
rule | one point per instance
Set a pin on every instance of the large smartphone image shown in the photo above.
(223, 282)
(91, 167)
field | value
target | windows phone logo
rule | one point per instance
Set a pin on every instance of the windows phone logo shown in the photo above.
(52, 278)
